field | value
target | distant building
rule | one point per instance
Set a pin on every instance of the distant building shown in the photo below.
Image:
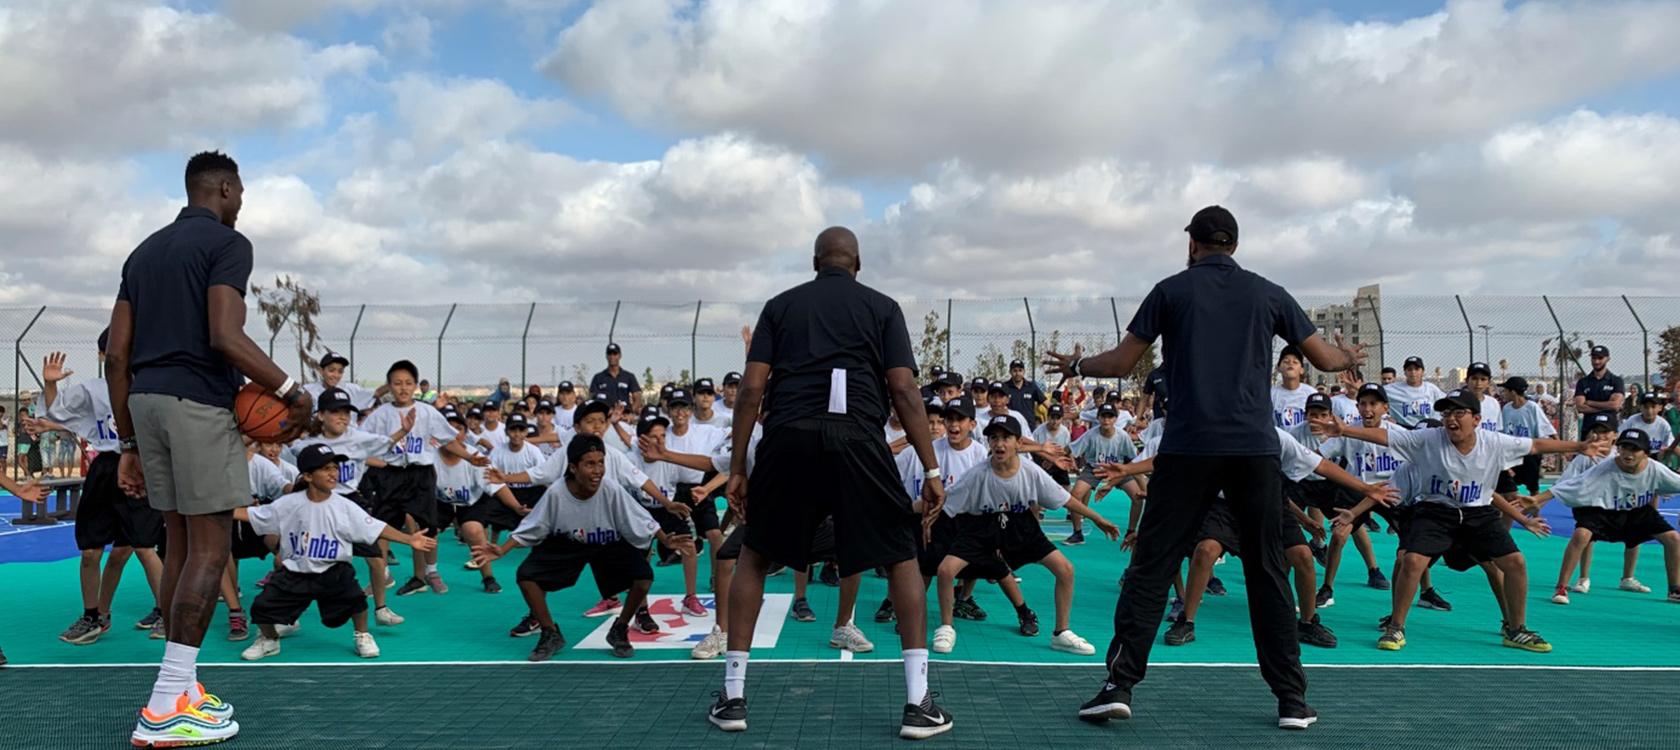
(1355, 322)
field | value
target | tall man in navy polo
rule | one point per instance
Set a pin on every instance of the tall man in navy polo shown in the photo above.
(618, 383)
(1024, 394)
(1216, 322)
(1600, 390)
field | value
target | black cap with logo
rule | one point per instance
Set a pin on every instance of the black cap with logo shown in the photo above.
(960, 407)
(317, 455)
(704, 385)
(1213, 226)
(333, 399)
(1002, 424)
(1413, 362)
(1318, 401)
(1479, 368)
(1374, 390)
(1635, 437)
(1459, 399)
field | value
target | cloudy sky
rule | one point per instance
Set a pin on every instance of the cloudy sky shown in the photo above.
(447, 150)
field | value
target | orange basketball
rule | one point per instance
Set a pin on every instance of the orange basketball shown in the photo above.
(261, 414)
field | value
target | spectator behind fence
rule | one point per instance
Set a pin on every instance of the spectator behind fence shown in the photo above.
(1599, 390)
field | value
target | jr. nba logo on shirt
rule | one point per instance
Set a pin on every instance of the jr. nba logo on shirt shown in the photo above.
(597, 536)
(1629, 501)
(1465, 494)
(1416, 409)
(1378, 463)
(346, 472)
(312, 547)
(1291, 416)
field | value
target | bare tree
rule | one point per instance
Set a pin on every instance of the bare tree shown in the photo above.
(288, 304)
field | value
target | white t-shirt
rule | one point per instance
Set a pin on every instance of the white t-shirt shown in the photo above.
(420, 448)
(353, 444)
(982, 492)
(563, 418)
(1289, 407)
(496, 438)
(314, 536)
(1526, 421)
(1062, 437)
(721, 419)
(1491, 415)
(1661, 434)
(268, 481)
(1368, 461)
(1580, 464)
(953, 464)
(1408, 405)
(984, 418)
(509, 461)
(700, 440)
(612, 515)
(1303, 435)
(725, 453)
(619, 465)
(463, 483)
(85, 408)
(1094, 449)
(1157, 427)
(1345, 409)
(1446, 476)
(1607, 486)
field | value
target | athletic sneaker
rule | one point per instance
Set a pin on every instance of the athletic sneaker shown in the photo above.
(104, 624)
(1560, 596)
(1674, 593)
(527, 627)
(1375, 579)
(618, 637)
(491, 587)
(83, 631)
(849, 638)
(470, 564)
(1382, 622)
(712, 646)
(239, 627)
(830, 575)
(1112, 702)
(182, 727)
(158, 633)
(924, 721)
(365, 647)
(1326, 597)
(547, 646)
(1313, 633)
(1431, 599)
(1176, 611)
(263, 581)
(645, 622)
(801, 611)
(435, 580)
(728, 714)
(215, 707)
(1582, 586)
(391, 559)
(1393, 638)
(1070, 642)
(1182, 632)
(1028, 622)
(968, 609)
(1296, 717)
(944, 639)
(1075, 539)
(885, 612)
(1526, 640)
(2, 657)
(411, 587)
(1216, 586)
(1633, 584)
(262, 648)
(604, 608)
(693, 607)
(1319, 552)
(286, 631)
(149, 620)
(387, 616)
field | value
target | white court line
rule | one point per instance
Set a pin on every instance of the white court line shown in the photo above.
(846, 654)
(692, 662)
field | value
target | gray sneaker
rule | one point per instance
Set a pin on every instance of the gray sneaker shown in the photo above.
(83, 631)
(548, 644)
(159, 633)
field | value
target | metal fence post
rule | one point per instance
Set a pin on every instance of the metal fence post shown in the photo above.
(694, 346)
(1032, 333)
(524, 337)
(1467, 327)
(17, 370)
(1115, 310)
(1646, 335)
(441, 331)
(353, 331)
(613, 326)
(949, 325)
(1382, 355)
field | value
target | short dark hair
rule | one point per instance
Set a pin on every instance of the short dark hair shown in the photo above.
(581, 445)
(1389, 371)
(205, 168)
(402, 365)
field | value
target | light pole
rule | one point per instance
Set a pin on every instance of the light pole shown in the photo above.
(1486, 355)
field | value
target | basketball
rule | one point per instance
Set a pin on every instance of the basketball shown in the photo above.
(261, 414)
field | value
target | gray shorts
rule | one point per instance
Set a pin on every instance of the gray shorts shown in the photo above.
(193, 455)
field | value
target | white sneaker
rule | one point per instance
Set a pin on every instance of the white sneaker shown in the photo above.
(712, 646)
(1582, 586)
(283, 631)
(1633, 584)
(471, 565)
(848, 637)
(385, 616)
(1561, 597)
(944, 639)
(1070, 642)
(262, 648)
(365, 647)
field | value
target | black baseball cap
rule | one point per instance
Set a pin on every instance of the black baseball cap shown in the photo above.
(731, 378)
(1055, 410)
(317, 455)
(333, 399)
(1003, 423)
(1318, 401)
(601, 397)
(933, 405)
(597, 405)
(665, 391)
(960, 407)
(1107, 410)
(516, 422)
(450, 415)
(996, 388)
(649, 421)
(1479, 368)
(704, 385)
(1599, 422)
(333, 358)
(565, 387)
(1017, 365)
(1601, 351)
(979, 384)
(1413, 362)
(1291, 350)
(950, 379)
(1635, 437)
(1115, 395)
(1515, 384)
(1459, 398)
(1214, 226)
(935, 372)
(613, 349)
(545, 405)
(1374, 390)
(651, 410)
(1650, 397)
(679, 396)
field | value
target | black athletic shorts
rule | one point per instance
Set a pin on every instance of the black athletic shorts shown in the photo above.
(106, 515)
(1330, 497)
(288, 593)
(1463, 537)
(705, 515)
(1630, 527)
(812, 468)
(1528, 474)
(247, 543)
(1056, 472)
(406, 490)
(1506, 484)
(731, 547)
(995, 544)
(930, 554)
(557, 562)
(490, 513)
(1221, 526)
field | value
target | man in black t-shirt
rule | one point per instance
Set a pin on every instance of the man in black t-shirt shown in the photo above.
(618, 383)
(1599, 390)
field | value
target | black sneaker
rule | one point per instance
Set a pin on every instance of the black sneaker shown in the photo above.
(1181, 632)
(968, 609)
(491, 587)
(527, 627)
(548, 645)
(1326, 597)
(2, 657)
(1431, 599)
(148, 621)
(1029, 622)
(413, 586)
(1313, 633)
(1319, 551)
(924, 721)
(1175, 612)
(885, 613)
(830, 575)
(391, 559)
(1215, 586)
(83, 631)
(1112, 702)
(1296, 717)
(728, 714)
(644, 622)
(1075, 539)
(618, 637)
(1375, 579)
(1382, 622)
(802, 611)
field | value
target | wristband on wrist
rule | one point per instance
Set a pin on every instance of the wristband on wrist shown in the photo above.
(932, 474)
(285, 387)
(127, 445)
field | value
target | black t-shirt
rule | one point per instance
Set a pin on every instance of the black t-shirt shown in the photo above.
(1216, 322)
(1155, 386)
(617, 387)
(167, 281)
(827, 324)
(1599, 389)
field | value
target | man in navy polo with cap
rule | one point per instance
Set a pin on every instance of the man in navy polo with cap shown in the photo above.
(1216, 322)
(1024, 394)
(1599, 390)
(618, 383)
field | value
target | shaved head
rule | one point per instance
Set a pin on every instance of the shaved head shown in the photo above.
(836, 247)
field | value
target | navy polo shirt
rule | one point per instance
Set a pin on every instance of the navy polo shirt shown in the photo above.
(166, 281)
(1156, 385)
(1025, 399)
(830, 323)
(618, 387)
(1599, 389)
(1216, 322)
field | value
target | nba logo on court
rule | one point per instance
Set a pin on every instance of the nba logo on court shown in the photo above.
(677, 630)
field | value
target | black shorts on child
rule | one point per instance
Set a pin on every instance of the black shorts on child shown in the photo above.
(335, 593)
(994, 544)
(1221, 526)
(489, 511)
(705, 515)
(557, 562)
(930, 553)
(1630, 527)
(396, 491)
(106, 515)
(247, 543)
(1461, 536)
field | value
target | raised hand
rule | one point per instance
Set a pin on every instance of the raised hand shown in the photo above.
(52, 370)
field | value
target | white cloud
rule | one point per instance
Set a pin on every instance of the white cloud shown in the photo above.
(409, 35)
(448, 113)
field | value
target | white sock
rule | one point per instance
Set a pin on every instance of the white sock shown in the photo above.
(915, 674)
(194, 694)
(431, 568)
(734, 674)
(175, 676)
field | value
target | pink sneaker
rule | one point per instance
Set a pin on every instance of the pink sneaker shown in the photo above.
(692, 607)
(604, 608)
(435, 580)
(262, 582)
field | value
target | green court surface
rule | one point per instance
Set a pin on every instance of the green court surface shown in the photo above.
(451, 675)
